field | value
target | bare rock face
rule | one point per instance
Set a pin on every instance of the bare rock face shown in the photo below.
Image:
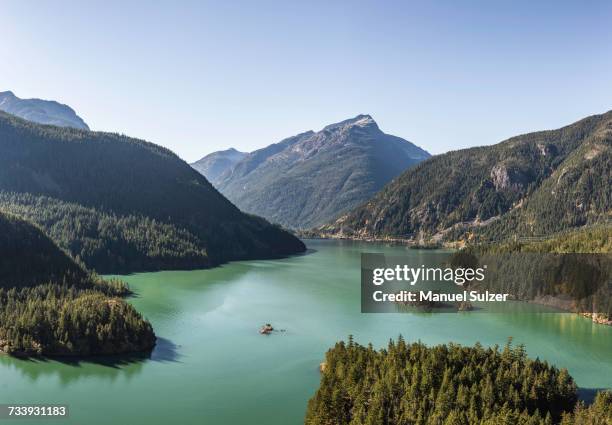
(508, 178)
(500, 177)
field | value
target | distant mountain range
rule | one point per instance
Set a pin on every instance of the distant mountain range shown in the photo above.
(530, 185)
(41, 111)
(311, 178)
(121, 204)
(214, 165)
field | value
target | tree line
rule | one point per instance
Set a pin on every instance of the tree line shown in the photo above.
(56, 319)
(50, 305)
(445, 385)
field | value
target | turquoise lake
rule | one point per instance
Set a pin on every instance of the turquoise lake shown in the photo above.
(211, 366)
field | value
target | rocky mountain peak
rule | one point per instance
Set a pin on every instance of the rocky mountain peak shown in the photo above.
(305, 180)
(361, 121)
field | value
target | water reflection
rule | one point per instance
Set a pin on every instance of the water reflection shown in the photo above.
(110, 368)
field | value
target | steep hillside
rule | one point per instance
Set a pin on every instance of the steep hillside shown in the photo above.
(28, 257)
(578, 192)
(50, 305)
(529, 185)
(213, 165)
(311, 178)
(41, 111)
(123, 177)
(588, 239)
(106, 241)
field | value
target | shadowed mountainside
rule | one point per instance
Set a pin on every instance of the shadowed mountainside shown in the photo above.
(50, 305)
(126, 180)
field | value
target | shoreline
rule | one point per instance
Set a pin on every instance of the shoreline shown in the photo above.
(395, 241)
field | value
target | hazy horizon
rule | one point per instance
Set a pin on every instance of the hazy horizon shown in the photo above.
(206, 76)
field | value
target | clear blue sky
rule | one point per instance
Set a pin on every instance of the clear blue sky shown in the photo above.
(203, 76)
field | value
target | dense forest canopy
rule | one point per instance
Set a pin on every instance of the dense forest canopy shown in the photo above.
(50, 305)
(107, 242)
(64, 320)
(598, 413)
(28, 257)
(412, 384)
(590, 239)
(122, 178)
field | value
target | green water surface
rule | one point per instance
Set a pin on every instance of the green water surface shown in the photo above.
(211, 366)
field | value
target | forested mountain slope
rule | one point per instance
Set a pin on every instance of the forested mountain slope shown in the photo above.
(41, 111)
(530, 185)
(311, 178)
(50, 305)
(28, 257)
(127, 179)
(107, 241)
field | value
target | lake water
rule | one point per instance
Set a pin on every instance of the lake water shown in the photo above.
(211, 366)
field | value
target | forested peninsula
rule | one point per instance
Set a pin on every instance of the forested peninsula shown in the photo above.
(52, 306)
(75, 202)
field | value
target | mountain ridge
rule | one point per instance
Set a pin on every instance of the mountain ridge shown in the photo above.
(314, 176)
(213, 165)
(494, 191)
(48, 112)
(125, 178)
